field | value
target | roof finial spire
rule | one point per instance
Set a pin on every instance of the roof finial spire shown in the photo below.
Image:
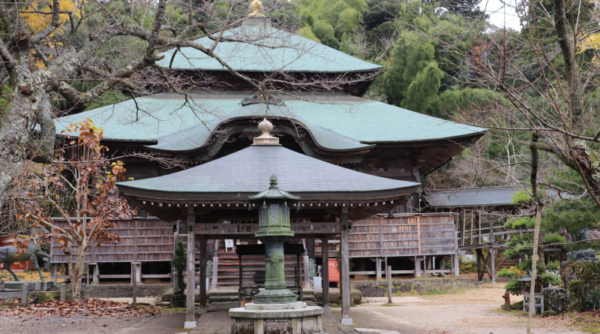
(265, 138)
(256, 7)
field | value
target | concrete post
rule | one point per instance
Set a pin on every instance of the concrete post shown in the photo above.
(24, 294)
(388, 276)
(456, 265)
(215, 272)
(190, 317)
(134, 283)
(63, 292)
(306, 272)
(493, 263)
(53, 272)
(377, 268)
(2, 285)
(96, 277)
(345, 268)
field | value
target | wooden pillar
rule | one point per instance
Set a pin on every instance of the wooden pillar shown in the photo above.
(345, 268)
(325, 257)
(479, 266)
(173, 272)
(190, 317)
(493, 264)
(492, 251)
(310, 248)
(203, 273)
(472, 223)
(462, 228)
(479, 225)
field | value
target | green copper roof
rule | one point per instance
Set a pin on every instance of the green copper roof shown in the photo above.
(248, 170)
(336, 122)
(266, 49)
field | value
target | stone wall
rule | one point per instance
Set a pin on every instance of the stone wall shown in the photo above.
(415, 286)
(125, 290)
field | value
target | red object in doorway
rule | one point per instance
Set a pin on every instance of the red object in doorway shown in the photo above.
(334, 271)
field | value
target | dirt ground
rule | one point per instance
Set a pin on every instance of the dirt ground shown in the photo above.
(471, 312)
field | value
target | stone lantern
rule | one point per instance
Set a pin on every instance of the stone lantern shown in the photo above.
(274, 229)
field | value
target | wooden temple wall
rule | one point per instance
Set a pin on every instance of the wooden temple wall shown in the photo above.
(142, 240)
(403, 236)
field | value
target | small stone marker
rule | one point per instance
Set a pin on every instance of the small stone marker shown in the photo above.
(24, 294)
(63, 292)
(2, 287)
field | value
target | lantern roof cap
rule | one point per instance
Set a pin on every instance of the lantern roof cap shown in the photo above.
(273, 192)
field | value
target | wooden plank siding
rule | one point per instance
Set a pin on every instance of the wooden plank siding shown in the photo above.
(142, 240)
(403, 235)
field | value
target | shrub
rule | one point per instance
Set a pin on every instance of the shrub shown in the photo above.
(514, 287)
(553, 279)
(516, 306)
(39, 297)
(549, 313)
(553, 266)
(592, 300)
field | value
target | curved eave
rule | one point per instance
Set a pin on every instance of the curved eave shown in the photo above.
(229, 120)
(373, 69)
(427, 141)
(242, 197)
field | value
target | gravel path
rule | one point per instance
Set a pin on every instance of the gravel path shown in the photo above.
(472, 312)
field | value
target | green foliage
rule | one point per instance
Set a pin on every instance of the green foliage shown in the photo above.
(516, 223)
(553, 266)
(521, 197)
(592, 300)
(553, 279)
(180, 264)
(466, 267)
(514, 287)
(549, 313)
(516, 306)
(40, 297)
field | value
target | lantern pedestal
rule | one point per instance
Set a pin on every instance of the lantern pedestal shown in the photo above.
(277, 318)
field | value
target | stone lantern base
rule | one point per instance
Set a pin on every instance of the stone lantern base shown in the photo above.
(292, 318)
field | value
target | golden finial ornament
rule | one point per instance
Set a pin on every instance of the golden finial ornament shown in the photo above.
(255, 8)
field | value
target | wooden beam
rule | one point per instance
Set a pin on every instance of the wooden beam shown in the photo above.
(325, 257)
(419, 233)
(203, 273)
(462, 229)
(190, 316)
(472, 223)
(345, 268)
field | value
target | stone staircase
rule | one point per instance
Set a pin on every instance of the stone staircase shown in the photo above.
(228, 270)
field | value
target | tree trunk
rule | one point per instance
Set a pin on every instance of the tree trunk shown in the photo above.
(78, 271)
(29, 106)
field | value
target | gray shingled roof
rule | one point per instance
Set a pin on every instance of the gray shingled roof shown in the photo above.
(248, 171)
(466, 197)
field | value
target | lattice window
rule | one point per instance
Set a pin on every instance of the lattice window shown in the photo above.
(274, 214)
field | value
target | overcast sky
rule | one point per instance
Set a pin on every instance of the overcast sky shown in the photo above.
(500, 14)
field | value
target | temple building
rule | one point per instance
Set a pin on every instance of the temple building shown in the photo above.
(356, 164)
